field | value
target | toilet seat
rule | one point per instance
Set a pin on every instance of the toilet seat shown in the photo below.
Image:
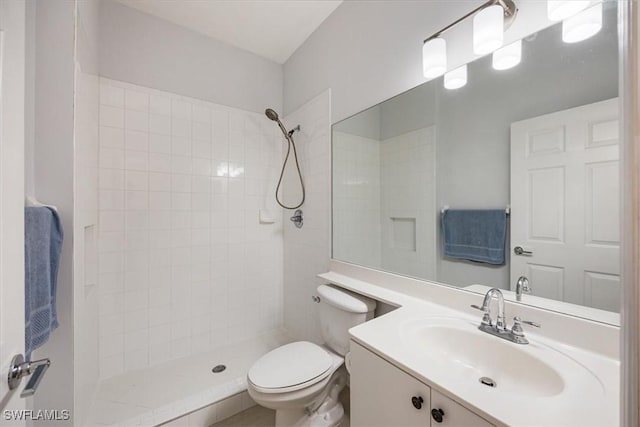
(291, 367)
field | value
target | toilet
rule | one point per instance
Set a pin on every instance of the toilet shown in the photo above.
(302, 380)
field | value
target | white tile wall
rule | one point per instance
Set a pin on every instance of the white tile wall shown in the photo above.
(376, 182)
(184, 264)
(356, 199)
(307, 250)
(408, 191)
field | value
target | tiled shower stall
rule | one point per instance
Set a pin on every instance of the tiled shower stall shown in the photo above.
(185, 265)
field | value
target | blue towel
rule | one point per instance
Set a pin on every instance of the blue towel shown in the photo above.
(475, 235)
(42, 247)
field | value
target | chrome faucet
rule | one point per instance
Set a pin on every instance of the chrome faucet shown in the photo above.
(486, 308)
(499, 329)
(522, 285)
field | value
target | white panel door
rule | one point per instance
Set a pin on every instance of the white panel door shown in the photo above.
(12, 68)
(565, 205)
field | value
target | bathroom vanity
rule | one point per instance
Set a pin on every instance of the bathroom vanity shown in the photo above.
(407, 400)
(429, 364)
(426, 364)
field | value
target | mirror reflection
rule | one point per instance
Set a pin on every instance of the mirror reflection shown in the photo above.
(510, 181)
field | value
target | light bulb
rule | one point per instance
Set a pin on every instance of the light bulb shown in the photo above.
(508, 56)
(434, 58)
(457, 78)
(583, 25)
(557, 10)
(488, 30)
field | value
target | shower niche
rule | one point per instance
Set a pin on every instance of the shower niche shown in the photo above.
(403, 234)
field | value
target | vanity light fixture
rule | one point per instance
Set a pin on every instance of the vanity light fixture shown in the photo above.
(434, 57)
(492, 17)
(557, 10)
(488, 30)
(508, 56)
(455, 79)
(583, 25)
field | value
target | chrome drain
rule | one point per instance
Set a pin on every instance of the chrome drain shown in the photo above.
(488, 382)
(218, 368)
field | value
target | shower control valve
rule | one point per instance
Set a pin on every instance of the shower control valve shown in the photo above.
(297, 218)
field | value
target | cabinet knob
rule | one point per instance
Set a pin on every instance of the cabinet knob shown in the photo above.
(417, 402)
(437, 415)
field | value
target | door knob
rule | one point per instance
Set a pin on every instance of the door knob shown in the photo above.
(19, 369)
(518, 250)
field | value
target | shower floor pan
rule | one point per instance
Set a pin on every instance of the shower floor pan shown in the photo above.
(174, 389)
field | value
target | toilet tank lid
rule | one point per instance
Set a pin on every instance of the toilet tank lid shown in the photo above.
(346, 300)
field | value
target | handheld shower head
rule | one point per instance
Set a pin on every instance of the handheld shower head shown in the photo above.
(272, 115)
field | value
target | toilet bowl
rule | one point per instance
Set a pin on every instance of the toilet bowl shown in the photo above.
(297, 393)
(302, 380)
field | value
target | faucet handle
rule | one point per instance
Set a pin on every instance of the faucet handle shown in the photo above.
(530, 323)
(517, 330)
(486, 317)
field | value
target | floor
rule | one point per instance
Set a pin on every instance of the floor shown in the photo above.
(163, 392)
(252, 417)
(258, 416)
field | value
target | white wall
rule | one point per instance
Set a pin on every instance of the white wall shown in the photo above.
(185, 266)
(307, 250)
(53, 159)
(145, 50)
(369, 51)
(85, 297)
(29, 96)
(366, 124)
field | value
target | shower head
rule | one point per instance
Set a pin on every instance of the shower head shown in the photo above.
(272, 115)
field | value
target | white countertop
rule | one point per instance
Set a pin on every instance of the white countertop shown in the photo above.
(590, 396)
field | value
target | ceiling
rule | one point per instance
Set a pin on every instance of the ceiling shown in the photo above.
(273, 29)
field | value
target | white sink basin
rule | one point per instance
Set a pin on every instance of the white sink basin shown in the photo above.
(459, 349)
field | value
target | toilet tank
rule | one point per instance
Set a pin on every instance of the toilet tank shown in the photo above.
(341, 310)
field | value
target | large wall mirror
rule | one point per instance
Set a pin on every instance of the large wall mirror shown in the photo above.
(432, 182)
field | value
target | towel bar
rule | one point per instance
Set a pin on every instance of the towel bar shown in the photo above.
(446, 208)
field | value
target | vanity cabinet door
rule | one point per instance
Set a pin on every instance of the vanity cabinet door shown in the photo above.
(447, 413)
(383, 395)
